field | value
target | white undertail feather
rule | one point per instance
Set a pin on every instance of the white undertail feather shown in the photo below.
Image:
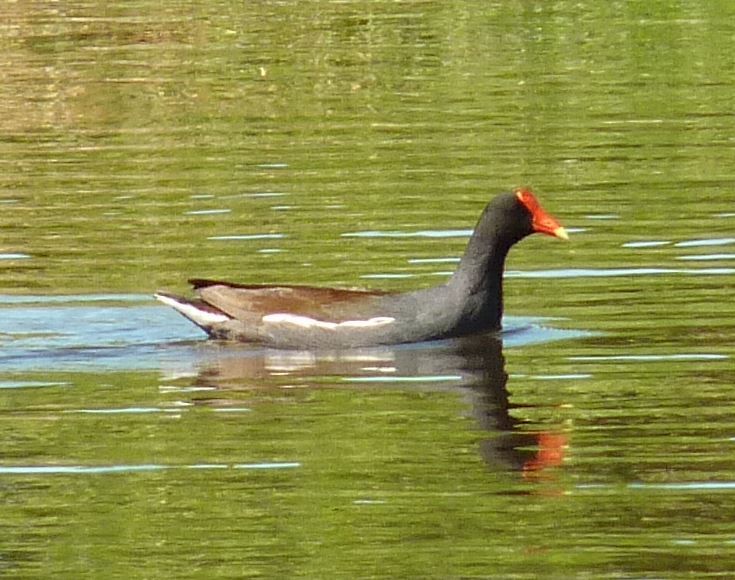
(306, 322)
(202, 317)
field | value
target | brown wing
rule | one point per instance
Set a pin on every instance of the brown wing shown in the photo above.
(248, 301)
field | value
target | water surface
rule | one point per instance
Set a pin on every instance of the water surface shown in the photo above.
(355, 144)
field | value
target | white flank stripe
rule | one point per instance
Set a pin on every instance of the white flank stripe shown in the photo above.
(306, 322)
(192, 312)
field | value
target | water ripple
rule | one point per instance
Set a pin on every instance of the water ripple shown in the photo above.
(416, 234)
(207, 211)
(706, 242)
(678, 486)
(105, 469)
(32, 384)
(705, 257)
(235, 237)
(646, 244)
(66, 298)
(606, 272)
(14, 256)
(651, 357)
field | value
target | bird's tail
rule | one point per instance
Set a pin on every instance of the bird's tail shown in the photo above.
(199, 312)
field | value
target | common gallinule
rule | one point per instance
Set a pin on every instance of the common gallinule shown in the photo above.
(310, 317)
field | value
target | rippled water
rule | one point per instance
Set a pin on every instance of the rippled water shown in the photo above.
(355, 144)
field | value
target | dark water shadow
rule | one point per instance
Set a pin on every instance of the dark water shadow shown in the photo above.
(473, 368)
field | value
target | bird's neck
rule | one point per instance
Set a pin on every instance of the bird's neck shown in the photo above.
(478, 281)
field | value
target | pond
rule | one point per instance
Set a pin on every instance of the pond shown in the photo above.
(354, 144)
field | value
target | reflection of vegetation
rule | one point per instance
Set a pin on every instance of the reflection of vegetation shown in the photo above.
(364, 115)
(92, 64)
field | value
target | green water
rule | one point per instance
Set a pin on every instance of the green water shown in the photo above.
(354, 144)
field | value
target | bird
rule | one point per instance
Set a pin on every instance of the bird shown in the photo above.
(309, 317)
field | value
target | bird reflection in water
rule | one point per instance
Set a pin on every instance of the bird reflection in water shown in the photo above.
(474, 367)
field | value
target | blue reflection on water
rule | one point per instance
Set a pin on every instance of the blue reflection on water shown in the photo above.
(62, 333)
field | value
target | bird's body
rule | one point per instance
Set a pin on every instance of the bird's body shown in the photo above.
(313, 317)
